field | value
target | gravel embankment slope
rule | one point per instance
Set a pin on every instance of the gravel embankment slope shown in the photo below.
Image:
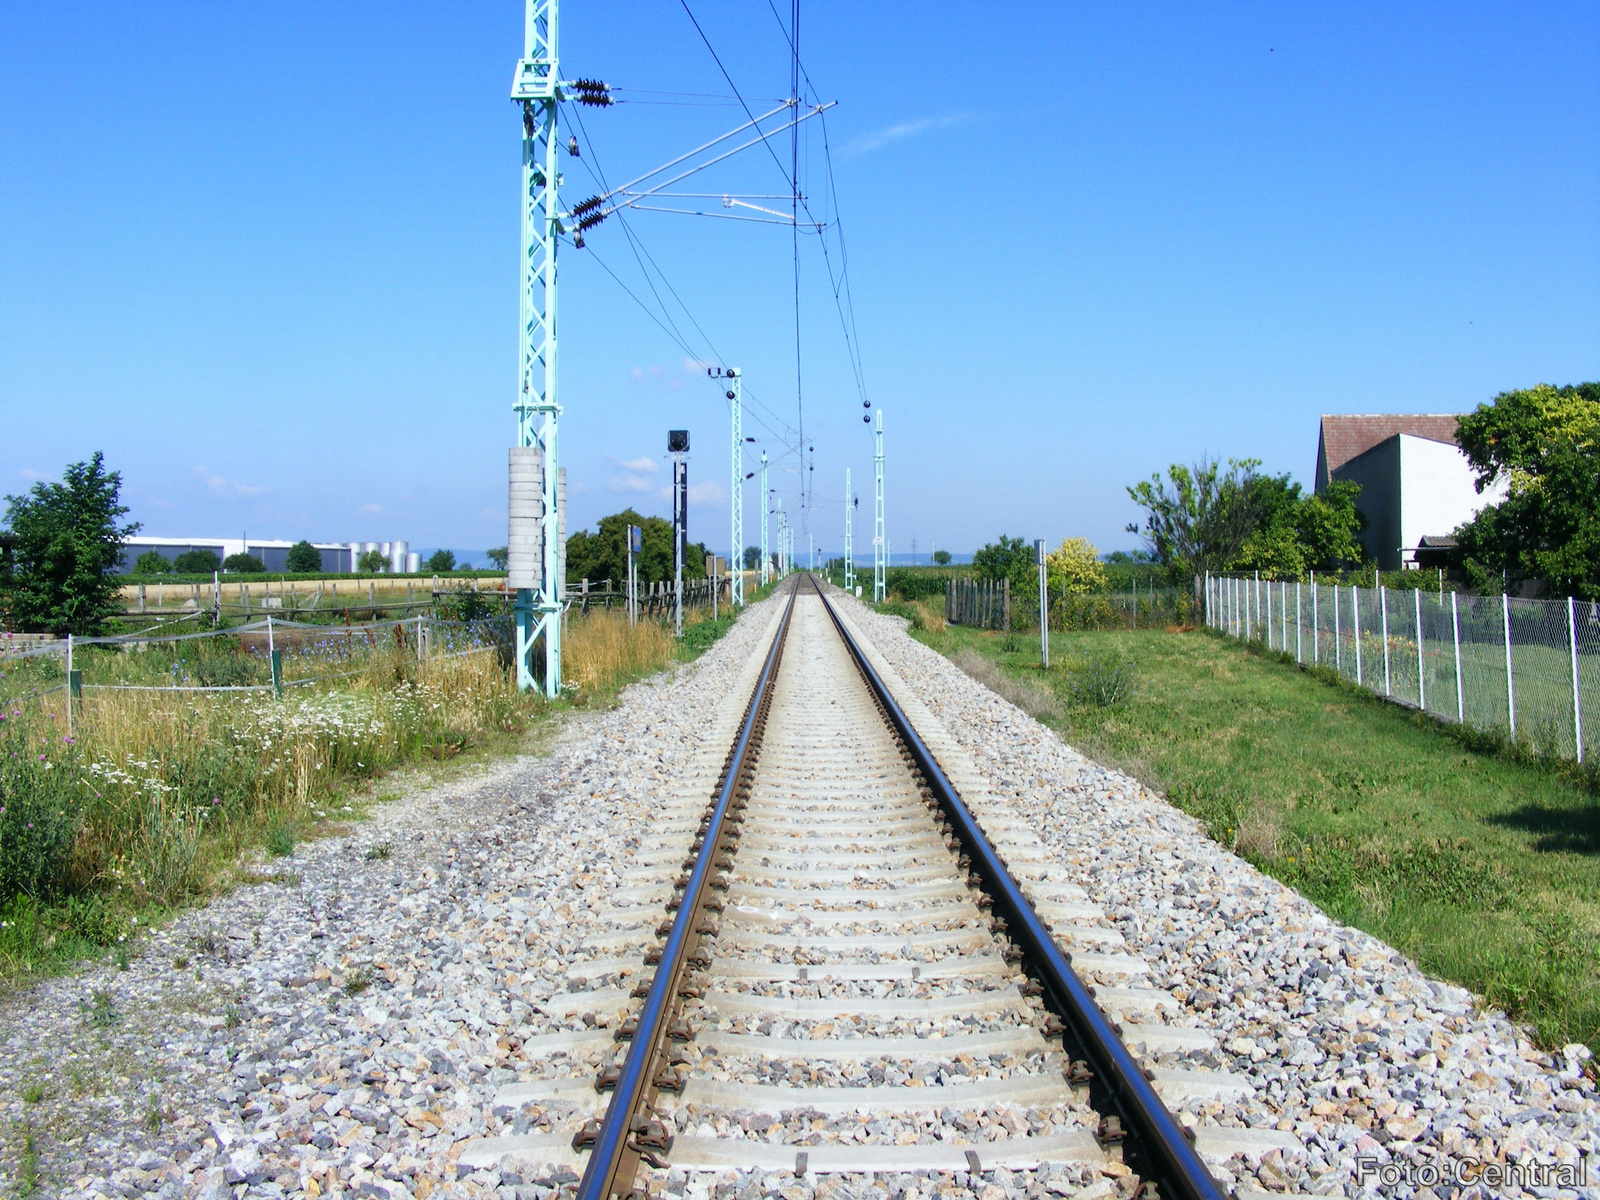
(1350, 1046)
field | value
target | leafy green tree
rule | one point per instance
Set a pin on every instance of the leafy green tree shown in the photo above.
(1199, 518)
(941, 558)
(500, 557)
(303, 558)
(197, 562)
(68, 540)
(442, 561)
(1204, 518)
(603, 554)
(1544, 442)
(372, 562)
(151, 563)
(752, 557)
(1008, 558)
(243, 564)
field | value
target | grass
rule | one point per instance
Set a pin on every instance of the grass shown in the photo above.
(1481, 864)
(158, 800)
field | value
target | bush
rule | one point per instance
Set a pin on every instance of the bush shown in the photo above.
(151, 563)
(41, 803)
(244, 564)
(1099, 680)
(441, 562)
(197, 562)
(303, 558)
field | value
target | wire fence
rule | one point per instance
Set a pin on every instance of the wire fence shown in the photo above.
(1528, 669)
(993, 605)
(259, 656)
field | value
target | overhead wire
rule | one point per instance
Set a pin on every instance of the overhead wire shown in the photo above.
(641, 253)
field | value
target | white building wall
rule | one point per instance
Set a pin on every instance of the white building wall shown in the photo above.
(1437, 491)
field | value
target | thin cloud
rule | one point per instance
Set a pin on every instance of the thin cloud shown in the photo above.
(221, 486)
(370, 509)
(640, 466)
(887, 136)
(31, 475)
(704, 495)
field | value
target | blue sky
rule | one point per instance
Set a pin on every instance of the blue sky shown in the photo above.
(265, 257)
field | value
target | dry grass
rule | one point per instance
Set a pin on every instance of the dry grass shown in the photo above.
(602, 652)
(1030, 697)
(931, 616)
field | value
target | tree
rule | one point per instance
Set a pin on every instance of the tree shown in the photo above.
(197, 562)
(68, 540)
(243, 564)
(500, 557)
(1204, 519)
(1544, 442)
(1199, 518)
(1074, 568)
(441, 562)
(752, 557)
(372, 562)
(1007, 558)
(603, 554)
(151, 563)
(941, 558)
(303, 559)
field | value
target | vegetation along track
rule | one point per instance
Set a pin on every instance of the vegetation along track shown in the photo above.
(842, 938)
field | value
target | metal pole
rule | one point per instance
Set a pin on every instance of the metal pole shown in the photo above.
(849, 536)
(1316, 616)
(1338, 642)
(1511, 686)
(1422, 686)
(1044, 607)
(1383, 620)
(735, 391)
(1355, 625)
(1299, 655)
(536, 84)
(1455, 635)
(680, 535)
(879, 540)
(766, 558)
(1577, 696)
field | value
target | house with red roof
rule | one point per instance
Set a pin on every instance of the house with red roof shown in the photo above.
(1416, 484)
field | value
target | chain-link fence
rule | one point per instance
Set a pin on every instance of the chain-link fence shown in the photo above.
(1529, 669)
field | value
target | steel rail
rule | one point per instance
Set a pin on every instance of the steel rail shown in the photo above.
(614, 1159)
(1160, 1149)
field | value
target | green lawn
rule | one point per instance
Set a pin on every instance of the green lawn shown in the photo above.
(1482, 868)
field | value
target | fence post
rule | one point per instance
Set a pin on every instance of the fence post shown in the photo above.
(1383, 622)
(1355, 624)
(1267, 623)
(1299, 657)
(1316, 644)
(1005, 602)
(1422, 691)
(1455, 634)
(1577, 701)
(1338, 642)
(1511, 685)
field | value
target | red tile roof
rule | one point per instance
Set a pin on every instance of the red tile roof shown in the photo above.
(1344, 436)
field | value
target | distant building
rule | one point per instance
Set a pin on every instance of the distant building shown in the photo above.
(1416, 484)
(337, 557)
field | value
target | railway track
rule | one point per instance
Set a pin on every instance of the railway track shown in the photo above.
(842, 964)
